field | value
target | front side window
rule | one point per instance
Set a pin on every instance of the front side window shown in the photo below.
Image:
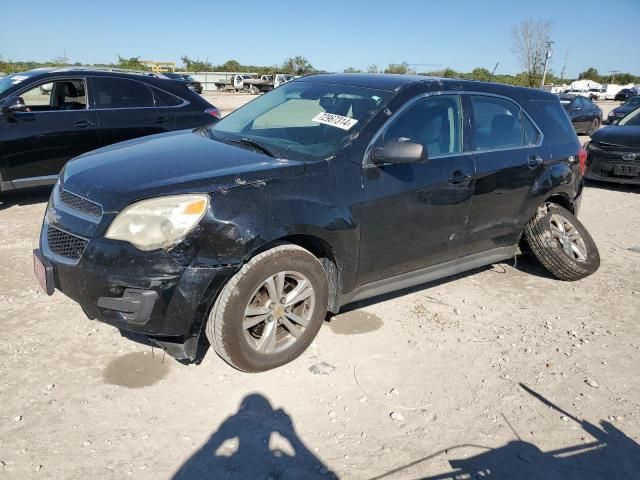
(307, 118)
(58, 95)
(121, 93)
(435, 122)
(499, 124)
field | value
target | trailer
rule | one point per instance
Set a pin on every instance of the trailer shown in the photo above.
(244, 82)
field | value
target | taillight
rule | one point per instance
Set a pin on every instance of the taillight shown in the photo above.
(582, 158)
(214, 111)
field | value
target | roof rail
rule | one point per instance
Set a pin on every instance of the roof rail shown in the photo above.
(147, 73)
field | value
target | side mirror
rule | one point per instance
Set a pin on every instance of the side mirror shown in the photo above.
(13, 105)
(399, 150)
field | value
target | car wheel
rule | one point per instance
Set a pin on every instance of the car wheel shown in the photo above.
(562, 244)
(270, 310)
(595, 125)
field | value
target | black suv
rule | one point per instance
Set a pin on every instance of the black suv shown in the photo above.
(187, 79)
(327, 190)
(51, 115)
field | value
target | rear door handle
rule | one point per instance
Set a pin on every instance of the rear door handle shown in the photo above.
(534, 161)
(84, 124)
(459, 177)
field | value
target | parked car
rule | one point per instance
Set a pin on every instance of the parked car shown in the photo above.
(188, 79)
(618, 113)
(625, 94)
(326, 190)
(586, 116)
(49, 116)
(614, 151)
(597, 93)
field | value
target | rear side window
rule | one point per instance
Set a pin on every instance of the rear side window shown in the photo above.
(121, 93)
(165, 99)
(558, 116)
(500, 123)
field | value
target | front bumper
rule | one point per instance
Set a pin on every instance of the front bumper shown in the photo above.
(157, 294)
(609, 166)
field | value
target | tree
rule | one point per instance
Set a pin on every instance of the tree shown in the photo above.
(132, 63)
(481, 74)
(624, 78)
(530, 39)
(297, 65)
(591, 74)
(372, 69)
(402, 68)
(196, 65)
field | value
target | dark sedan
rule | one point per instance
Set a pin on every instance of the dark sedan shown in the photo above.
(614, 151)
(192, 83)
(49, 116)
(586, 116)
(625, 94)
(617, 113)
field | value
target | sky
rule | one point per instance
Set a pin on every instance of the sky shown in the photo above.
(332, 34)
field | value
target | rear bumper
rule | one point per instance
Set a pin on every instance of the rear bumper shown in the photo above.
(149, 293)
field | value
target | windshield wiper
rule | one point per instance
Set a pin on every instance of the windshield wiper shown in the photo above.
(255, 144)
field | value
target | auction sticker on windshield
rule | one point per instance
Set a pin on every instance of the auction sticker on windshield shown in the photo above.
(345, 123)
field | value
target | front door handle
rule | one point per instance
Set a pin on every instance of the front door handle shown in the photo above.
(459, 177)
(84, 124)
(534, 161)
(162, 119)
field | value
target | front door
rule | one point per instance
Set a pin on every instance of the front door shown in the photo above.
(58, 126)
(414, 215)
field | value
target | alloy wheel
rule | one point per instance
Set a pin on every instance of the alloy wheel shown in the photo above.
(568, 237)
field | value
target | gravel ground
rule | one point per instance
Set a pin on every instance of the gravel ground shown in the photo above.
(502, 372)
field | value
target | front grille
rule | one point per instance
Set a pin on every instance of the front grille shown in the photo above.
(64, 244)
(80, 204)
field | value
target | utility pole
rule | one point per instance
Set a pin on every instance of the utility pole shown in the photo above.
(547, 56)
(613, 75)
(564, 66)
(494, 70)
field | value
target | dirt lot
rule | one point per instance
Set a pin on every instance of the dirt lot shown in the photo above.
(503, 372)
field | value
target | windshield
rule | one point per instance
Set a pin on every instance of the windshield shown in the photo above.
(10, 80)
(307, 118)
(632, 119)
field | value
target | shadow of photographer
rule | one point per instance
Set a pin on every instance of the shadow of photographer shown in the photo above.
(257, 442)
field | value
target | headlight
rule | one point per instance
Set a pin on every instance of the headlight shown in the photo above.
(158, 222)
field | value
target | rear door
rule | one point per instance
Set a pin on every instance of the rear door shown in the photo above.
(127, 109)
(59, 126)
(508, 156)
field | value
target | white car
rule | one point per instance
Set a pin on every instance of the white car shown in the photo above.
(598, 93)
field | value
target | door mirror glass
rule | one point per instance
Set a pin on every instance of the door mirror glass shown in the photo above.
(13, 105)
(399, 150)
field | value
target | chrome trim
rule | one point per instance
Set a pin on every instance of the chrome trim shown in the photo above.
(36, 179)
(459, 93)
(8, 185)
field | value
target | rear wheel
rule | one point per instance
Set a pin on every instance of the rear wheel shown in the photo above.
(270, 311)
(595, 125)
(562, 244)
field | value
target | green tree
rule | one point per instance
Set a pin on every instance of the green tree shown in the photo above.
(450, 73)
(196, 65)
(297, 65)
(480, 74)
(132, 63)
(402, 68)
(624, 78)
(591, 74)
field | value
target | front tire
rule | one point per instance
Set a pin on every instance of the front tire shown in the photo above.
(270, 311)
(562, 244)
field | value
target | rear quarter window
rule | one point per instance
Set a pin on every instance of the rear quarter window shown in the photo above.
(556, 115)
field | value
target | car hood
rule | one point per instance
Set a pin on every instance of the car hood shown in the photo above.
(185, 161)
(624, 136)
(624, 108)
